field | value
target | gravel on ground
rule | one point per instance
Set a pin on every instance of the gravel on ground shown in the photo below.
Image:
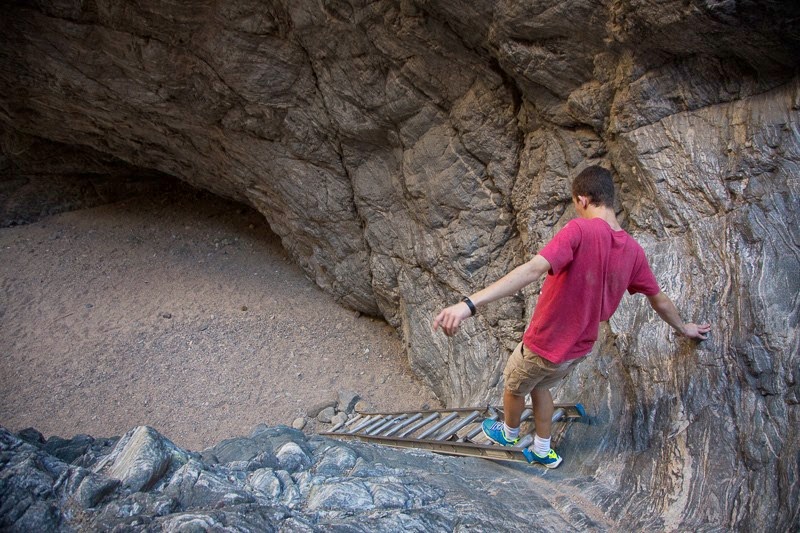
(181, 312)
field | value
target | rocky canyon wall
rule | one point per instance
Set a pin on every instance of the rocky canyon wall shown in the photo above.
(409, 152)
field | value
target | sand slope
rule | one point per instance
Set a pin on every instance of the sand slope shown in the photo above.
(180, 312)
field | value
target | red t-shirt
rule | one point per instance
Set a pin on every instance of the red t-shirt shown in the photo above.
(591, 266)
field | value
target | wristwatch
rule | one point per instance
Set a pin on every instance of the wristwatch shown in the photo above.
(471, 305)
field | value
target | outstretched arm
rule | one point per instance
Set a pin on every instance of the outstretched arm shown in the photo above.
(450, 319)
(669, 314)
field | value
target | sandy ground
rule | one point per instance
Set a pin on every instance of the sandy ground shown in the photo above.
(181, 312)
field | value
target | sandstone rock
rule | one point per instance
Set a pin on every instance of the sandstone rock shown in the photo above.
(338, 418)
(362, 406)
(326, 415)
(299, 423)
(317, 408)
(347, 401)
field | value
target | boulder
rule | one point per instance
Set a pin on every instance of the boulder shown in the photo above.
(139, 459)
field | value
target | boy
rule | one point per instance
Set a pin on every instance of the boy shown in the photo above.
(590, 264)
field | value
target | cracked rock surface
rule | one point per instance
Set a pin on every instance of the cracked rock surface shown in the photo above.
(408, 152)
(334, 486)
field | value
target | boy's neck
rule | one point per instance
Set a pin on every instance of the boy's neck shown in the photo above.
(606, 213)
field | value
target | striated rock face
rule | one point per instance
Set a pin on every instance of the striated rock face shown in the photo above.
(408, 152)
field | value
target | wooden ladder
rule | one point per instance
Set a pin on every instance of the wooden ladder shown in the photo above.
(448, 431)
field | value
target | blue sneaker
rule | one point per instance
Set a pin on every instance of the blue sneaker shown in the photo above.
(494, 431)
(551, 460)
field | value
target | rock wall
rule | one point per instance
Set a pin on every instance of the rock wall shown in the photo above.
(39, 178)
(408, 152)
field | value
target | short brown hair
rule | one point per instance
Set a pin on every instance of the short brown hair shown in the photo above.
(596, 184)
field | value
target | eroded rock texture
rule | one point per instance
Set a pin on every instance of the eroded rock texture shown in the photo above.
(408, 152)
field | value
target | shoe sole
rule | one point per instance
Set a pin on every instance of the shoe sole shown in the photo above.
(498, 443)
(551, 465)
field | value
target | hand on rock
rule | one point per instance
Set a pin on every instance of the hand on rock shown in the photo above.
(696, 331)
(450, 319)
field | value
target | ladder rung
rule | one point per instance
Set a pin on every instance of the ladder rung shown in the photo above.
(403, 424)
(364, 423)
(377, 422)
(425, 421)
(386, 425)
(460, 424)
(439, 425)
(525, 441)
(354, 420)
(474, 433)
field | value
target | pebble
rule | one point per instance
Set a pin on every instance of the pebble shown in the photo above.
(326, 415)
(166, 315)
(339, 418)
(299, 423)
(363, 406)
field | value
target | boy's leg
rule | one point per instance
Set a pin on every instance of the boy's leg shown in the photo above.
(513, 406)
(542, 411)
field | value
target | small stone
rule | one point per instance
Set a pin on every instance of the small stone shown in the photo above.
(347, 401)
(317, 408)
(166, 315)
(326, 415)
(363, 407)
(299, 423)
(339, 418)
(244, 308)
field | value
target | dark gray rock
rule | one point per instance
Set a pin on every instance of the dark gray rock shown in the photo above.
(194, 486)
(68, 450)
(238, 449)
(335, 461)
(343, 496)
(31, 436)
(292, 458)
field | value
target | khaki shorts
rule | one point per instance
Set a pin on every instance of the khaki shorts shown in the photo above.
(526, 371)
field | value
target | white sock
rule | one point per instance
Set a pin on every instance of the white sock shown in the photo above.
(510, 433)
(541, 447)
